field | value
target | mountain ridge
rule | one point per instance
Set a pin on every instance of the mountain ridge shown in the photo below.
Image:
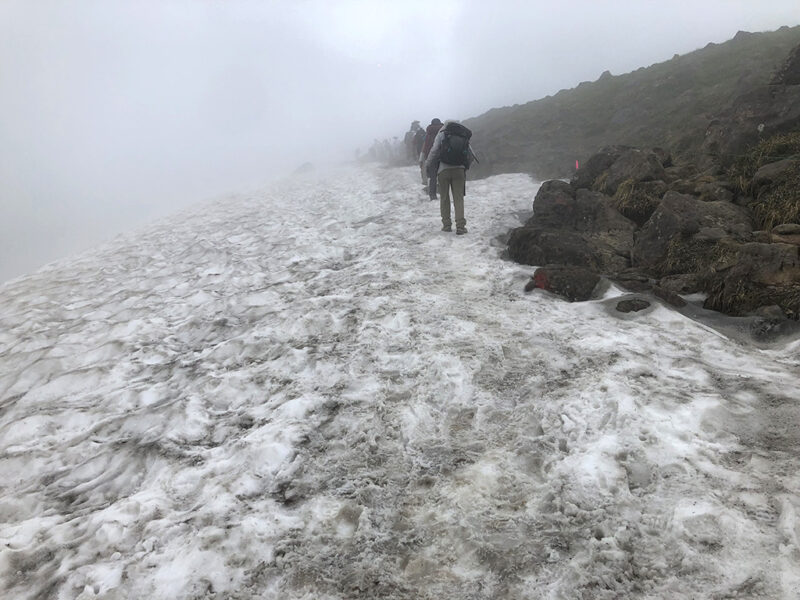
(667, 104)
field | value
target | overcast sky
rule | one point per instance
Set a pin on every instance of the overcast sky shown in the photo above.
(116, 112)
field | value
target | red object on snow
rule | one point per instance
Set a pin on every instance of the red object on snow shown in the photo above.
(540, 279)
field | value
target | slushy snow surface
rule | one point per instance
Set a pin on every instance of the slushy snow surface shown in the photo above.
(313, 393)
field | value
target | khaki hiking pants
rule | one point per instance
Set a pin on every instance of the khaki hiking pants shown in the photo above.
(452, 180)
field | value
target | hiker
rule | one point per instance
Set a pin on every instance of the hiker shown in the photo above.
(451, 150)
(429, 177)
(409, 141)
(419, 141)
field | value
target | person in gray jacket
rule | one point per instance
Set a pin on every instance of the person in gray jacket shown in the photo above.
(452, 152)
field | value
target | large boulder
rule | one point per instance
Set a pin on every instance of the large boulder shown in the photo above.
(706, 188)
(632, 165)
(758, 275)
(788, 233)
(573, 283)
(596, 165)
(537, 246)
(638, 200)
(581, 229)
(553, 198)
(586, 212)
(682, 231)
(774, 172)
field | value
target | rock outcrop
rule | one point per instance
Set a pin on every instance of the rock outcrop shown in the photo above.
(573, 283)
(729, 229)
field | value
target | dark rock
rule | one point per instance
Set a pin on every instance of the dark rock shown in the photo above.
(769, 330)
(793, 239)
(582, 230)
(534, 246)
(757, 114)
(664, 157)
(632, 305)
(773, 311)
(639, 287)
(773, 172)
(553, 198)
(674, 224)
(638, 201)
(715, 192)
(789, 72)
(777, 187)
(686, 283)
(758, 275)
(573, 283)
(669, 297)
(633, 281)
(596, 165)
(633, 164)
(587, 212)
(679, 172)
(710, 234)
(787, 229)
(706, 188)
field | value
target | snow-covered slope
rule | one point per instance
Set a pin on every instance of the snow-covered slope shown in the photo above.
(314, 393)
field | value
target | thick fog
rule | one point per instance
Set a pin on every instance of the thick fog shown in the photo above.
(115, 113)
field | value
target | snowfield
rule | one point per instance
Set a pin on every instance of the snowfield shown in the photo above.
(313, 393)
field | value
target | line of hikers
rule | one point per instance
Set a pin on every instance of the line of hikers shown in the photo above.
(444, 154)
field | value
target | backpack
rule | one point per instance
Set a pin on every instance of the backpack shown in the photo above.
(455, 145)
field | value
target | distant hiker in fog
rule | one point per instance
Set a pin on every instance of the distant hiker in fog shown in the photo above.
(419, 141)
(429, 176)
(451, 150)
(409, 141)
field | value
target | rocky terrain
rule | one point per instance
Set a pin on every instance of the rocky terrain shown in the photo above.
(669, 104)
(725, 225)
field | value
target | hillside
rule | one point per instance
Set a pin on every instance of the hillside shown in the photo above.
(668, 104)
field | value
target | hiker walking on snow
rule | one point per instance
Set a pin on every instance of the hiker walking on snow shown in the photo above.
(451, 150)
(429, 175)
(409, 141)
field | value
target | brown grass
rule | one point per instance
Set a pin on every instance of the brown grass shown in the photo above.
(769, 150)
(634, 203)
(780, 203)
(746, 296)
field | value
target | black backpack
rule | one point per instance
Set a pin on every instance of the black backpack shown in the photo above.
(455, 145)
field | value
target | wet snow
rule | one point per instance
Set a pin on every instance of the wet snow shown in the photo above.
(313, 393)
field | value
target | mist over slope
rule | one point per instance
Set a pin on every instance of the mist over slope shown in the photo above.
(668, 104)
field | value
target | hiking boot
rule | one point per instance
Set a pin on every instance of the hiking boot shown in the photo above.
(447, 228)
(461, 231)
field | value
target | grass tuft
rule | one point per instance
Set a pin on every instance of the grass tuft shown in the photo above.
(634, 202)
